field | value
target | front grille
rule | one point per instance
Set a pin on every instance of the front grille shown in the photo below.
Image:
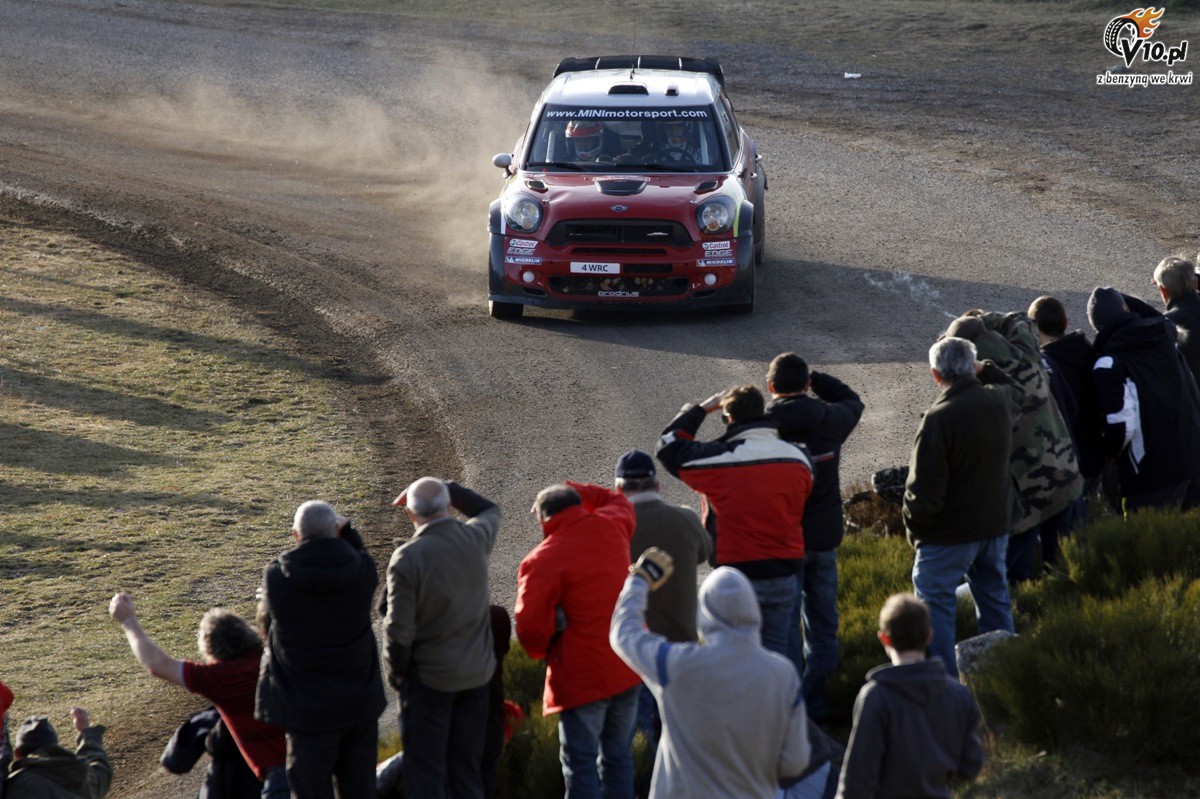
(624, 251)
(646, 269)
(596, 286)
(609, 231)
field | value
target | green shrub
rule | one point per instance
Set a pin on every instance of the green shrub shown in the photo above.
(870, 569)
(524, 678)
(529, 766)
(1116, 675)
(1112, 555)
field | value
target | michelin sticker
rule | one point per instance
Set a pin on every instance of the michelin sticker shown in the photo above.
(717, 262)
(525, 260)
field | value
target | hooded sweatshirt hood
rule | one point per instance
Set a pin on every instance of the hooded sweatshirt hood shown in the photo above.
(919, 683)
(727, 604)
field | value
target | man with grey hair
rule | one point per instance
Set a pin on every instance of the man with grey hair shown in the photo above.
(957, 501)
(319, 679)
(1175, 278)
(439, 650)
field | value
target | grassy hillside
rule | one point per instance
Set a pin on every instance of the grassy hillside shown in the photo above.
(152, 440)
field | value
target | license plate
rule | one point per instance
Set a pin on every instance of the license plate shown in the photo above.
(590, 268)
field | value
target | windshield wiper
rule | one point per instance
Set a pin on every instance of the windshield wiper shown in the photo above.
(559, 164)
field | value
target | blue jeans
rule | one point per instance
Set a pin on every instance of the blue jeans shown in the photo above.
(937, 572)
(442, 733)
(275, 785)
(595, 747)
(776, 597)
(815, 653)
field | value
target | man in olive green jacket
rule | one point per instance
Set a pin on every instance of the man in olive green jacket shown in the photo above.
(44, 770)
(959, 497)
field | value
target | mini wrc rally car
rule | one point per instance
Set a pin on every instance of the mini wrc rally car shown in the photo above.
(633, 184)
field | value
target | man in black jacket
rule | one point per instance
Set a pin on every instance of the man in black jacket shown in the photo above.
(958, 500)
(1145, 397)
(822, 423)
(1070, 356)
(320, 676)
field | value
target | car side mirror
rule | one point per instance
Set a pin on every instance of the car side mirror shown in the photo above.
(502, 160)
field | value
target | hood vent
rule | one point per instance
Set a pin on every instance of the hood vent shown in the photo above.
(706, 186)
(533, 184)
(620, 188)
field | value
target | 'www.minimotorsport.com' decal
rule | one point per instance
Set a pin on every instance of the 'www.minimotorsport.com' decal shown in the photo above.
(628, 113)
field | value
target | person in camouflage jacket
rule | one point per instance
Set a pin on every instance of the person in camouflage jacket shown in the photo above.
(1043, 464)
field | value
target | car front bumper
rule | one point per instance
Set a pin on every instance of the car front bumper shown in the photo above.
(534, 273)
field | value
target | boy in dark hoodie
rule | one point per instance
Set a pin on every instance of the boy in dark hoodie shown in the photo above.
(915, 728)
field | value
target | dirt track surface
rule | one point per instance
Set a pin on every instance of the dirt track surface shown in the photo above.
(333, 173)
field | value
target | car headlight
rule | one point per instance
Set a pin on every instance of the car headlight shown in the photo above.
(715, 216)
(522, 212)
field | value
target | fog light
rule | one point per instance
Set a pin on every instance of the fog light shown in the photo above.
(710, 279)
(528, 276)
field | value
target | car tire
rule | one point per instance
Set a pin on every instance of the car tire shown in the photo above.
(505, 310)
(760, 230)
(747, 306)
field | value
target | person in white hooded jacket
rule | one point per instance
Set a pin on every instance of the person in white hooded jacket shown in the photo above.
(733, 718)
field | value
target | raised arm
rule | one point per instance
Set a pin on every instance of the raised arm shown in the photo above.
(147, 652)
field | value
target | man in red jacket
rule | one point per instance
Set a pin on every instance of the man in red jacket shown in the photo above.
(754, 486)
(567, 588)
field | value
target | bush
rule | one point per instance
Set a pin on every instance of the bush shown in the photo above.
(1112, 555)
(1119, 676)
(1111, 660)
(870, 569)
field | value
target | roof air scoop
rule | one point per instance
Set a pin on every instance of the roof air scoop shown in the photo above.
(616, 187)
(628, 88)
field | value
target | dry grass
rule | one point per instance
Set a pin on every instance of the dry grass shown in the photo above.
(151, 440)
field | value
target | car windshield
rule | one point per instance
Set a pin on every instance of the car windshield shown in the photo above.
(581, 138)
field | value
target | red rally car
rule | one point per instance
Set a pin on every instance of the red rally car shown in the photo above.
(633, 184)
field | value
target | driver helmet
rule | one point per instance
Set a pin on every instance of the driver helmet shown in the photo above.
(585, 137)
(677, 134)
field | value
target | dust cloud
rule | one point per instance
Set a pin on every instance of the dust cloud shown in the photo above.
(422, 147)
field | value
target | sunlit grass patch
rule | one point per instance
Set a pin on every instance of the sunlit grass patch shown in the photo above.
(152, 439)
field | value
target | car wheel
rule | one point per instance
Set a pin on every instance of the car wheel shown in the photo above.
(760, 231)
(505, 310)
(748, 305)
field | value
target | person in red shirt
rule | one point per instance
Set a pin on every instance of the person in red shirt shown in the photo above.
(228, 677)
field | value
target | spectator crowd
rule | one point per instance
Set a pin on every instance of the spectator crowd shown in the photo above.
(1031, 423)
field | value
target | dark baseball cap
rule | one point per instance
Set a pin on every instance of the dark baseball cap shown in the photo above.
(635, 464)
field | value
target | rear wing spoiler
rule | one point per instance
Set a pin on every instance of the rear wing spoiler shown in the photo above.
(683, 63)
